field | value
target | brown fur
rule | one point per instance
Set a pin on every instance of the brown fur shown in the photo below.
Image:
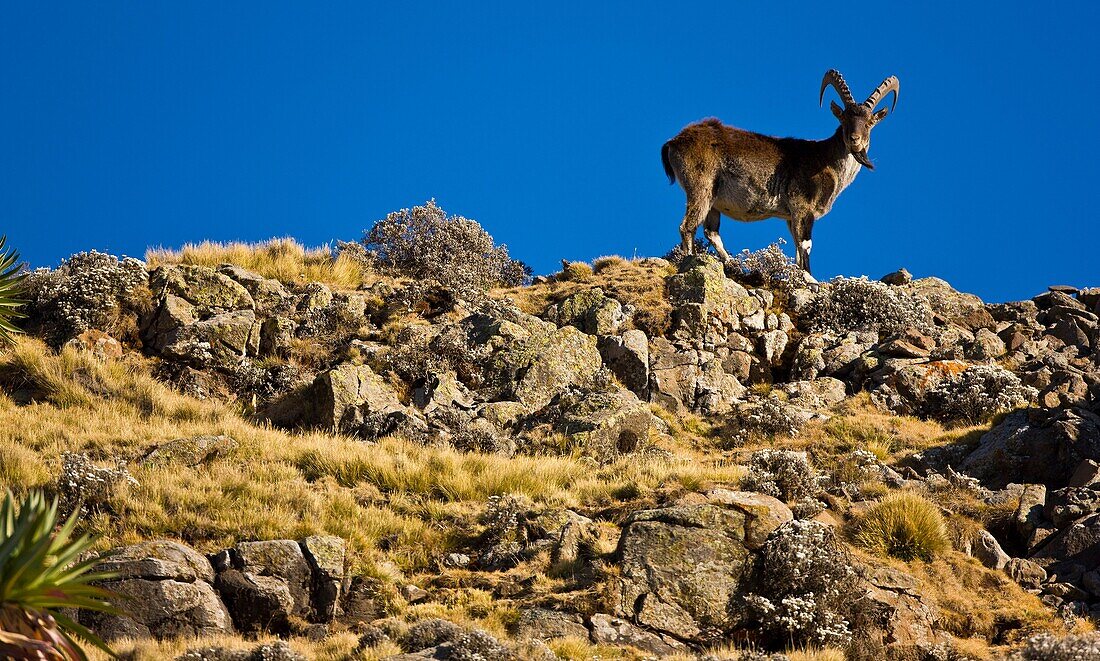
(747, 176)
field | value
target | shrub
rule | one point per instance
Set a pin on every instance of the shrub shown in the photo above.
(677, 254)
(802, 587)
(89, 290)
(903, 525)
(43, 580)
(783, 474)
(771, 266)
(1048, 647)
(575, 271)
(425, 243)
(859, 304)
(11, 292)
(85, 486)
(977, 393)
(770, 417)
(605, 262)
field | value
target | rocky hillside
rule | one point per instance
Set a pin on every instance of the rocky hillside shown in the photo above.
(629, 459)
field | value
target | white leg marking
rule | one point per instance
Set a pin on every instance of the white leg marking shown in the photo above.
(806, 245)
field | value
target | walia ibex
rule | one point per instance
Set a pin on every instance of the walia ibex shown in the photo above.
(747, 176)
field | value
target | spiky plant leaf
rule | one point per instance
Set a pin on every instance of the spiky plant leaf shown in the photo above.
(39, 574)
(11, 292)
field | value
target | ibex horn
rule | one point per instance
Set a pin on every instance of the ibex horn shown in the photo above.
(833, 77)
(889, 85)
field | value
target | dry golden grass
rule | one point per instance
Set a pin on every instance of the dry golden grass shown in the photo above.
(277, 484)
(631, 282)
(337, 647)
(904, 525)
(283, 258)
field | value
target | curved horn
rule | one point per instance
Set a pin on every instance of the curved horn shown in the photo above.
(889, 85)
(833, 77)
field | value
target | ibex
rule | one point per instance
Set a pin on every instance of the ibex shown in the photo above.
(748, 176)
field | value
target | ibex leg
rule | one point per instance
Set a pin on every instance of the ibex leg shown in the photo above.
(697, 210)
(802, 233)
(710, 229)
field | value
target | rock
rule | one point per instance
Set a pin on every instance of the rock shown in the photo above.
(166, 593)
(414, 594)
(1029, 575)
(257, 603)
(1077, 543)
(283, 560)
(681, 566)
(608, 630)
(986, 345)
(817, 394)
(204, 288)
(220, 340)
(1066, 388)
(893, 606)
(627, 356)
(315, 296)
(1086, 473)
(985, 548)
(532, 360)
(1046, 451)
(543, 624)
(1029, 514)
(1090, 298)
(899, 277)
(189, 451)
(605, 424)
(99, 344)
(706, 304)
(276, 336)
(350, 398)
(763, 513)
(945, 301)
(1066, 505)
(444, 391)
(456, 560)
(268, 294)
(589, 310)
(325, 554)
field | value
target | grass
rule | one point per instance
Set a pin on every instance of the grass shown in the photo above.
(278, 484)
(282, 258)
(630, 281)
(902, 525)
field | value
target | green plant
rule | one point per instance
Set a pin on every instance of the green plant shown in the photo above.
(11, 292)
(903, 525)
(39, 576)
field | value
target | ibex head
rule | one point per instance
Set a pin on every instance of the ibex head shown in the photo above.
(857, 119)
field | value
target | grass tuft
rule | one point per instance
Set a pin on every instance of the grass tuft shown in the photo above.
(903, 525)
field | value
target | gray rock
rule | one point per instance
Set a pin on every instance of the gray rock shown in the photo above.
(987, 550)
(543, 624)
(1027, 574)
(1029, 514)
(283, 560)
(589, 310)
(257, 603)
(1086, 474)
(899, 277)
(268, 294)
(609, 630)
(161, 608)
(819, 393)
(204, 288)
(627, 356)
(189, 451)
(680, 566)
(325, 554)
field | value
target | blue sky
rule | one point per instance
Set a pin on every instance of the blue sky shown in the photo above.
(127, 125)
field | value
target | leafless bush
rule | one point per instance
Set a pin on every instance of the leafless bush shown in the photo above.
(1048, 647)
(978, 393)
(85, 486)
(802, 587)
(782, 474)
(418, 352)
(677, 254)
(859, 304)
(770, 417)
(771, 266)
(425, 243)
(88, 290)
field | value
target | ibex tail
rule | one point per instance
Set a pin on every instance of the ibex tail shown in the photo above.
(668, 166)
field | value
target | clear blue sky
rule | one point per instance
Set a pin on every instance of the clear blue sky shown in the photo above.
(152, 123)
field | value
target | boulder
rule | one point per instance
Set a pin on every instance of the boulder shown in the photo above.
(220, 340)
(1076, 544)
(259, 604)
(816, 394)
(605, 424)
(627, 356)
(204, 288)
(283, 560)
(350, 398)
(268, 294)
(325, 554)
(589, 310)
(1042, 451)
(99, 344)
(1029, 575)
(167, 593)
(680, 566)
(610, 630)
(543, 624)
(893, 610)
(987, 550)
(189, 451)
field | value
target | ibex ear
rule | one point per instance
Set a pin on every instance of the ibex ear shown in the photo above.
(875, 118)
(837, 110)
